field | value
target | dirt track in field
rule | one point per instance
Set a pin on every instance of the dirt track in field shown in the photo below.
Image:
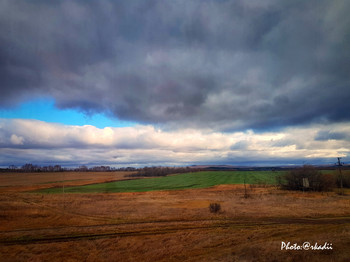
(70, 233)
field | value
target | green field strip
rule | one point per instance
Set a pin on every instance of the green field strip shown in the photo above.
(175, 182)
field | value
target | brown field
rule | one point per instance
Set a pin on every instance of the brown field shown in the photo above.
(166, 225)
(19, 182)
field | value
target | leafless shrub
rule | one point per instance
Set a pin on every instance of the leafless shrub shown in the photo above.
(307, 178)
(214, 207)
(345, 176)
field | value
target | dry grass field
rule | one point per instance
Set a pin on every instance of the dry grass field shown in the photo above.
(166, 225)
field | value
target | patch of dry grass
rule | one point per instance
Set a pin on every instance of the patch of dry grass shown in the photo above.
(20, 182)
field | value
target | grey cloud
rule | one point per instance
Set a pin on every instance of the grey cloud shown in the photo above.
(215, 64)
(241, 145)
(284, 142)
(328, 135)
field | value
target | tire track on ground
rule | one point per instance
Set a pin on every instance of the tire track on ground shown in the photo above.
(151, 228)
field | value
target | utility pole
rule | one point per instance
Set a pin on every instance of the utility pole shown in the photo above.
(339, 164)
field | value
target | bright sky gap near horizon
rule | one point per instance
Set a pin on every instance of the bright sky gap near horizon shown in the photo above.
(136, 83)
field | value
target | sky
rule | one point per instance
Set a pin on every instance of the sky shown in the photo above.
(140, 83)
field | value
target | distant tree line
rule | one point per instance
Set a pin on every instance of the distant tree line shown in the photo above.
(162, 171)
(36, 168)
(139, 172)
(102, 169)
(58, 168)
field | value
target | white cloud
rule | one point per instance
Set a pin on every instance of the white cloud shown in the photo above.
(41, 141)
(17, 140)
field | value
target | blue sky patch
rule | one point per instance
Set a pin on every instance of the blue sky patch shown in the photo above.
(45, 110)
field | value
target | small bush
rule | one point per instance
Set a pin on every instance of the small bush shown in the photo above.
(214, 207)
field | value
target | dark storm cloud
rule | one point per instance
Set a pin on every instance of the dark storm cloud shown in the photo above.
(222, 64)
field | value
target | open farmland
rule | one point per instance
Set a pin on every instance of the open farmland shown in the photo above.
(168, 225)
(176, 182)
